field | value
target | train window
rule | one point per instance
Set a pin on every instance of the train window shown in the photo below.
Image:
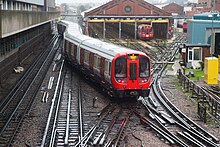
(65, 44)
(106, 66)
(86, 57)
(97, 60)
(75, 51)
(72, 48)
(144, 68)
(109, 68)
(143, 30)
(120, 67)
(151, 30)
(133, 71)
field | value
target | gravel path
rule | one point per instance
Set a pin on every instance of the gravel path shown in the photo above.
(186, 104)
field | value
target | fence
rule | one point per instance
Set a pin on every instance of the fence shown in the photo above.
(207, 103)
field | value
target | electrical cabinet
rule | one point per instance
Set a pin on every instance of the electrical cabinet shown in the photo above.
(211, 70)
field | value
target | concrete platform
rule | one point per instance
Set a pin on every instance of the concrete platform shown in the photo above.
(176, 66)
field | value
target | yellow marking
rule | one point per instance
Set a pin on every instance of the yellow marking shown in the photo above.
(127, 20)
(96, 20)
(147, 20)
(112, 20)
(133, 57)
(160, 21)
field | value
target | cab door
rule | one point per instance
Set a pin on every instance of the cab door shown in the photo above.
(133, 66)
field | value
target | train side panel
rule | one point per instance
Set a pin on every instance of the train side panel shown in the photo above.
(91, 64)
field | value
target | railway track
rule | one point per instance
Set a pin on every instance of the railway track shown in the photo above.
(109, 129)
(181, 129)
(110, 126)
(70, 126)
(66, 115)
(18, 102)
(178, 123)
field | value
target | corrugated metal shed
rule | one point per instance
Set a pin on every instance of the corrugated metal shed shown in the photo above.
(206, 16)
(36, 2)
(199, 31)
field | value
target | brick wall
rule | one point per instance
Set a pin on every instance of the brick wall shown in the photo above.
(173, 8)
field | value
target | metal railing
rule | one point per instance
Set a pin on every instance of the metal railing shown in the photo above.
(207, 103)
(12, 22)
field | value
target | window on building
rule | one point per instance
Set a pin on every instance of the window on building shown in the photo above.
(190, 55)
(197, 54)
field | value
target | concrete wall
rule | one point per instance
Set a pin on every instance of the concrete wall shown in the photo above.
(17, 56)
(12, 22)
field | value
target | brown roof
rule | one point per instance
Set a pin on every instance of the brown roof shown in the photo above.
(127, 8)
(174, 4)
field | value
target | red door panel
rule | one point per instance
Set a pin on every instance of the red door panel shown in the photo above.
(81, 56)
(133, 67)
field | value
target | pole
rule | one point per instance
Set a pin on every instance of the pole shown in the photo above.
(119, 30)
(212, 48)
(135, 30)
(104, 29)
(213, 6)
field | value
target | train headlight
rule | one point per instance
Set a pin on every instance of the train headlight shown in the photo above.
(121, 80)
(143, 80)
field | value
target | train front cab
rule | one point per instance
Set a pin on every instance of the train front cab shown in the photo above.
(131, 75)
(145, 32)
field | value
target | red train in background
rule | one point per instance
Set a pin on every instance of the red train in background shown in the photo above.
(184, 26)
(145, 32)
(122, 72)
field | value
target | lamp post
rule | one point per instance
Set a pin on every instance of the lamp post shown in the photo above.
(212, 44)
(213, 36)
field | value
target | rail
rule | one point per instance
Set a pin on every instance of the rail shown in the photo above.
(19, 101)
(52, 107)
(181, 121)
(68, 119)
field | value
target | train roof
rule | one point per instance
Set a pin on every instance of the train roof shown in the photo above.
(107, 50)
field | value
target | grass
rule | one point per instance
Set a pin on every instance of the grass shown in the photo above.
(169, 67)
(212, 121)
(177, 84)
(198, 74)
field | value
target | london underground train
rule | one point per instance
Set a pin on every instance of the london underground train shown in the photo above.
(145, 32)
(122, 72)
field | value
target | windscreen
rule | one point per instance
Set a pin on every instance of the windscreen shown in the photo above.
(120, 67)
(144, 67)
